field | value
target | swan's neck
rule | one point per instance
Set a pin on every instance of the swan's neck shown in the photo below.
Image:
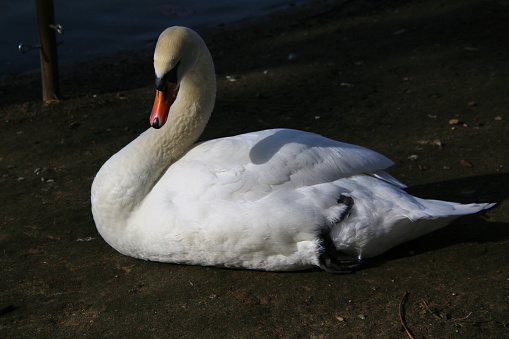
(126, 178)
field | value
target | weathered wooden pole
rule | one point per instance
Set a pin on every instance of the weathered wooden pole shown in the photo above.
(48, 50)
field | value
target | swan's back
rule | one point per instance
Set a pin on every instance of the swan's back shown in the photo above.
(251, 165)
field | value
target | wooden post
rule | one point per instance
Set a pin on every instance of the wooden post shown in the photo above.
(48, 50)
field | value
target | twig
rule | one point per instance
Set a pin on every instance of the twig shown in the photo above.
(429, 310)
(427, 307)
(436, 316)
(460, 319)
(401, 316)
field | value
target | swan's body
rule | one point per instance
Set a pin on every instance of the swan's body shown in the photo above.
(271, 200)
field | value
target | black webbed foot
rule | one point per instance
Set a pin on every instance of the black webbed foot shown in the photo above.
(333, 261)
(330, 259)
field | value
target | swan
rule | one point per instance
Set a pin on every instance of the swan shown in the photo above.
(275, 200)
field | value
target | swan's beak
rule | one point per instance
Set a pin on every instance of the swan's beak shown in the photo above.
(162, 104)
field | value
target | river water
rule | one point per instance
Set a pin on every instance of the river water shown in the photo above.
(93, 28)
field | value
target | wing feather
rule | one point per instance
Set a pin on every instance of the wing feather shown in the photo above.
(252, 165)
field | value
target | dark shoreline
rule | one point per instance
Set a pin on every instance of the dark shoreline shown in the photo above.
(114, 72)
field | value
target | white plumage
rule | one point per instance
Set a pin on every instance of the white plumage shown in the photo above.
(269, 200)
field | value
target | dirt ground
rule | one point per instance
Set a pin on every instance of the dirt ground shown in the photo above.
(425, 83)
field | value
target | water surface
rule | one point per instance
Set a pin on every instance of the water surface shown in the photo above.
(94, 28)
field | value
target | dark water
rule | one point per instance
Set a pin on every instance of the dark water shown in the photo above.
(94, 28)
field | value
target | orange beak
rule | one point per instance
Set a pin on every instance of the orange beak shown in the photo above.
(164, 100)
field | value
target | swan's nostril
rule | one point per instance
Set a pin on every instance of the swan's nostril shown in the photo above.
(155, 123)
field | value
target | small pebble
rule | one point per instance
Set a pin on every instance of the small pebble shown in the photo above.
(466, 163)
(454, 122)
(85, 239)
(74, 124)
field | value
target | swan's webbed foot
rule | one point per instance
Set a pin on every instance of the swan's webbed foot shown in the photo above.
(333, 261)
(330, 259)
(345, 265)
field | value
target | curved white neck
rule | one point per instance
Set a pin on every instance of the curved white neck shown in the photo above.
(126, 178)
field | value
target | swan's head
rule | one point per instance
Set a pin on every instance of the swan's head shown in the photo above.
(175, 54)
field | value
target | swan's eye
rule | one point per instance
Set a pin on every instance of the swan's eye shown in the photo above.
(170, 77)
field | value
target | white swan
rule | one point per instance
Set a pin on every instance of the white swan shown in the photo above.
(270, 200)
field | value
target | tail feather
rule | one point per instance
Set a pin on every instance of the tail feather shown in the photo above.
(442, 209)
(435, 216)
(401, 227)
